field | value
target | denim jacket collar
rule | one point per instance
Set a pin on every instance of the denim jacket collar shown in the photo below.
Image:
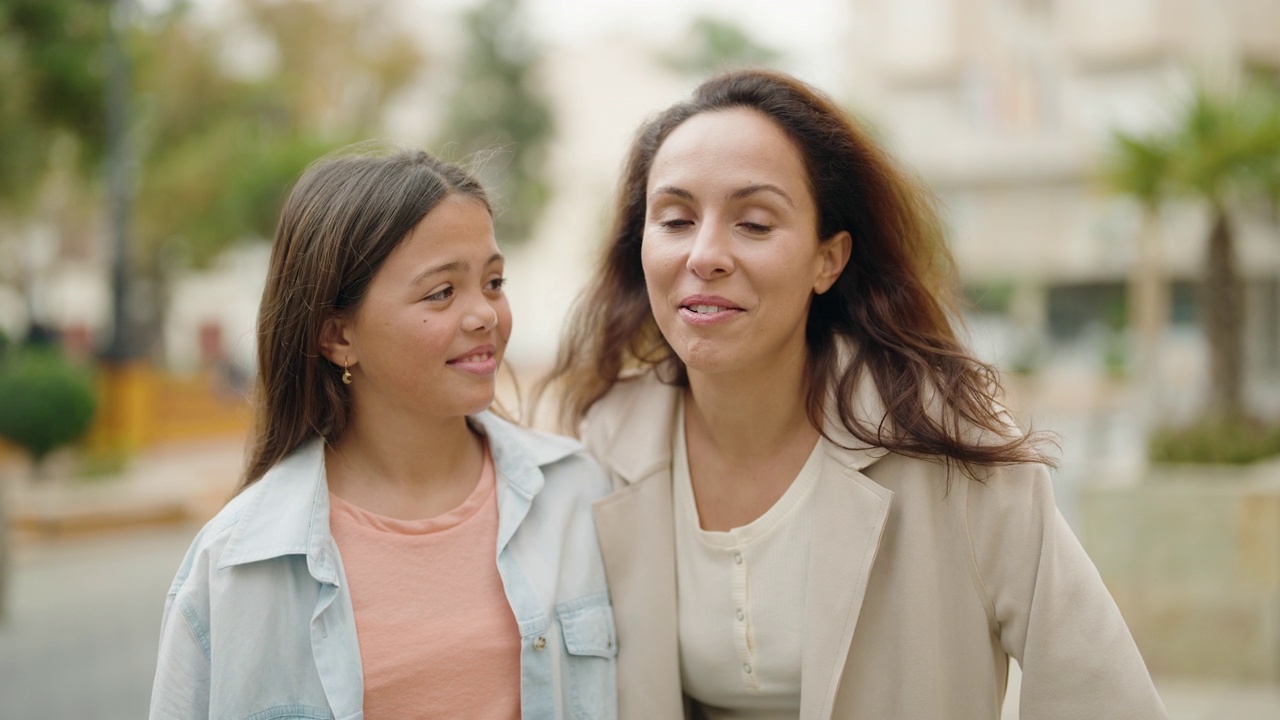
(287, 511)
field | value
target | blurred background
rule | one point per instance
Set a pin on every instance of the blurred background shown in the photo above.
(1109, 171)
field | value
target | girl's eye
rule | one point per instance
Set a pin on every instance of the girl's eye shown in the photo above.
(755, 228)
(497, 283)
(442, 294)
(675, 223)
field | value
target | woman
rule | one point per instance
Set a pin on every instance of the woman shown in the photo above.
(395, 550)
(820, 511)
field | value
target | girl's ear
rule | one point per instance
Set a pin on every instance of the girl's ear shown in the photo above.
(336, 341)
(835, 255)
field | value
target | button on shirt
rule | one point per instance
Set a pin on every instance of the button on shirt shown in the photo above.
(742, 598)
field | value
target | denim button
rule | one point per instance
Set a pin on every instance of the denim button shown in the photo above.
(540, 644)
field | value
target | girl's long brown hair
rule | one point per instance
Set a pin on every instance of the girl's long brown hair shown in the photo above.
(341, 221)
(895, 299)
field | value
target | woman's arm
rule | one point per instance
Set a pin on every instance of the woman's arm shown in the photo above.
(1052, 611)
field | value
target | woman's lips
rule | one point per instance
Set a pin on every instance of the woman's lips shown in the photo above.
(707, 310)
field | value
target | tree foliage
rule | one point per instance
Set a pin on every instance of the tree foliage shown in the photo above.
(1139, 167)
(714, 45)
(1223, 152)
(219, 151)
(52, 83)
(213, 147)
(497, 105)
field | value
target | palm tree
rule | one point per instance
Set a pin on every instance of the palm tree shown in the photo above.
(1223, 152)
(1139, 168)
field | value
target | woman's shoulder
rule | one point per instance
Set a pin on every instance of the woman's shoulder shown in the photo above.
(636, 401)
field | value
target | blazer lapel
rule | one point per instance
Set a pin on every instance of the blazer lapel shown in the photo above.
(636, 529)
(850, 513)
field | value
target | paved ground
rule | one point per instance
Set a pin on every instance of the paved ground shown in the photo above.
(84, 622)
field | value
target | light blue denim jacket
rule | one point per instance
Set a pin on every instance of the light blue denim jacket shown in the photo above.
(258, 623)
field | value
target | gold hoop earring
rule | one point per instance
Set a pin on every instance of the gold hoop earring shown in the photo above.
(346, 375)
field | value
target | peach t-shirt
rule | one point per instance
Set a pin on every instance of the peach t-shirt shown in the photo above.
(437, 636)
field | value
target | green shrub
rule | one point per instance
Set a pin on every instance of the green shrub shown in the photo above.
(45, 401)
(1233, 442)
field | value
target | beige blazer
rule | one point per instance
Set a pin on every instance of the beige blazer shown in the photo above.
(917, 596)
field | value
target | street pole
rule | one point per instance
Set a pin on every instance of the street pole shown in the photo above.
(121, 348)
(124, 409)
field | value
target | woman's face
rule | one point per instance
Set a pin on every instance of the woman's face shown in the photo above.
(429, 334)
(731, 252)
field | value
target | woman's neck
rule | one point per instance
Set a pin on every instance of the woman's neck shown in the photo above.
(751, 414)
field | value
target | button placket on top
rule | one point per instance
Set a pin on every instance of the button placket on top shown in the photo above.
(743, 643)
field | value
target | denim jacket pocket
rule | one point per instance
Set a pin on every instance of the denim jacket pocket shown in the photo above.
(591, 646)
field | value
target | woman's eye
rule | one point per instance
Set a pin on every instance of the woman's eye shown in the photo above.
(756, 228)
(442, 294)
(497, 283)
(675, 223)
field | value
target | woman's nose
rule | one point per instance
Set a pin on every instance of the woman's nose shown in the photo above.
(711, 254)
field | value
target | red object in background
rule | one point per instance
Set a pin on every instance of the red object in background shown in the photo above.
(212, 352)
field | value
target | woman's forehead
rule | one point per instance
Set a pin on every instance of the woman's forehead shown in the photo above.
(731, 148)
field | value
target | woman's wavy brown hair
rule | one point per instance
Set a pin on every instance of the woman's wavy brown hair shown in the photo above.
(341, 221)
(895, 299)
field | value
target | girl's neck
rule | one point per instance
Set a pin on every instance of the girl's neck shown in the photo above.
(404, 469)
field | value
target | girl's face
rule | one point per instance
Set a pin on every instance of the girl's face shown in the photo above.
(430, 333)
(731, 252)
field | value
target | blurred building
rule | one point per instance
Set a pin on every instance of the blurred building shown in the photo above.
(1007, 108)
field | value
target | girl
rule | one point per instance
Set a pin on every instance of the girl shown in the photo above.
(821, 510)
(396, 550)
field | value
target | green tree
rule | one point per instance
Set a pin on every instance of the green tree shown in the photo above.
(219, 151)
(497, 105)
(1139, 168)
(52, 84)
(213, 152)
(51, 99)
(715, 45)
(1223, 152)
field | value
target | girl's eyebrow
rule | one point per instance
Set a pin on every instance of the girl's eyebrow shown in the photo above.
(455, 266)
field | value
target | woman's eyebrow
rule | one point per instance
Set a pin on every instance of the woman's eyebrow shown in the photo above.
(739, 194)
(752, 189)
(672, 190)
